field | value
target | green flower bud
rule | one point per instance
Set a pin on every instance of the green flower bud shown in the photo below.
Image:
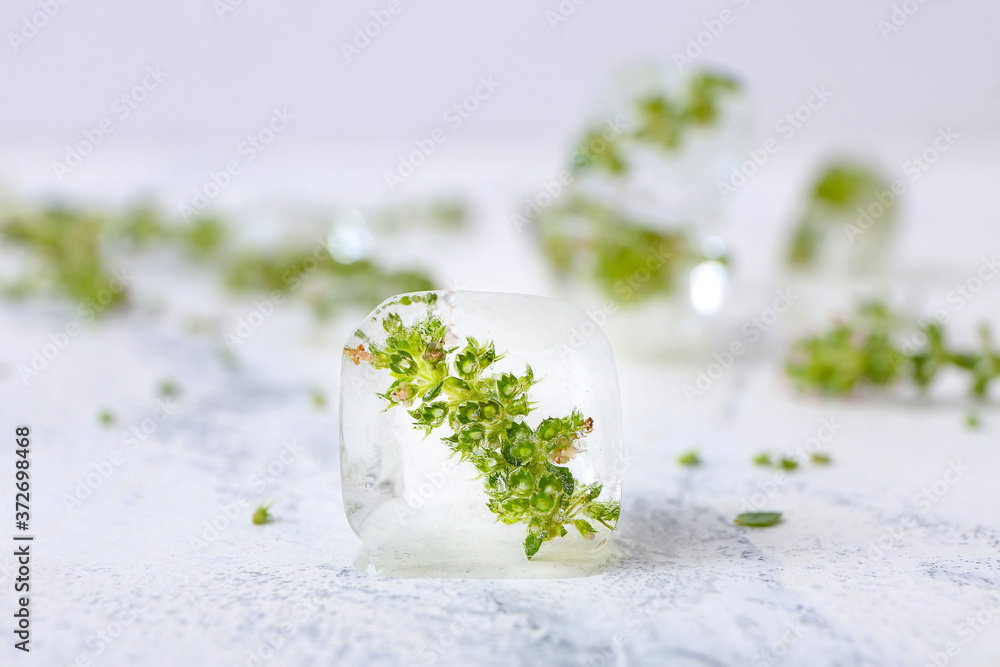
(402, 363)
(520, 481)
(489, 410)
(542, 502)
(507, 385)
(467, 365)
(516, 505)
(467, 412)
(550, 485)
(550, 428)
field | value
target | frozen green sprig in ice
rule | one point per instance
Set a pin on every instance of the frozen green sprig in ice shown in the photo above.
(849, 198)
(523, 468)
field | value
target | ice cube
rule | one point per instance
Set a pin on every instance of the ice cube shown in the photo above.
(635, 231)
(480, 436)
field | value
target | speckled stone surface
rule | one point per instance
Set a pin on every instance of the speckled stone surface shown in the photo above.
(863, 570)
(857, 573)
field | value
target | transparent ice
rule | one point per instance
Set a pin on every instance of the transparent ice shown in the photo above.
(419, 506)
(649, 167)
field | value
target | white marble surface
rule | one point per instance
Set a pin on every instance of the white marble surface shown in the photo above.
(694, 589)
(119, 581)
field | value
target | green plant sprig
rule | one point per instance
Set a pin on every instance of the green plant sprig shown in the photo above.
(522, 467)
(70, 249)
(865, 352)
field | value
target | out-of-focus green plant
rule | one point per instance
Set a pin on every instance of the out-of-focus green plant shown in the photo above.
(847, 198)
(69, 250)
(628, 261)
(662, 121)
(867, 352)
(445, 214)
(335, 285)
(585, 235)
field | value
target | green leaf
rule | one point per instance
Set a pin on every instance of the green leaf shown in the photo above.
(757, 519)
(689, 458)
(532, 543)
(585, 529)
(787, 463)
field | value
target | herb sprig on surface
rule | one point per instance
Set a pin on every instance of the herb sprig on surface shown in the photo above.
(522, 468)
(867, 352)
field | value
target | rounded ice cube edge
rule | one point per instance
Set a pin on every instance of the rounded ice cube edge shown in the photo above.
(480, 436)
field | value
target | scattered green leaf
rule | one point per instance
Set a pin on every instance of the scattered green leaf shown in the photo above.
(168, 388)
(262, 514)
(786, 463)
(689, 458)
(757, 519)
(318, 399)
